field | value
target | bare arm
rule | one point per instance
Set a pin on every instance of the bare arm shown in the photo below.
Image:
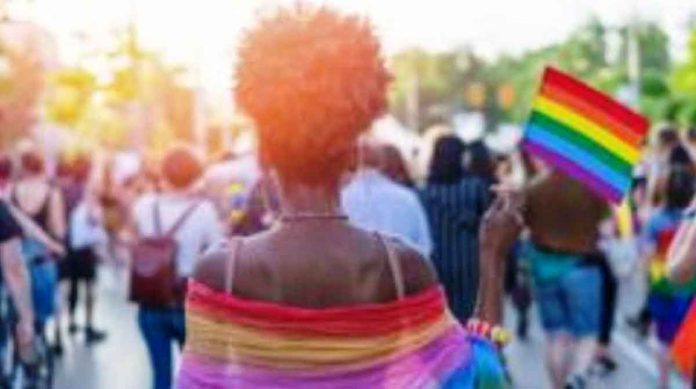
(16, 277)
(500, 228)
(681, 257)
(56, 215)
(30, 228)
(490, 293)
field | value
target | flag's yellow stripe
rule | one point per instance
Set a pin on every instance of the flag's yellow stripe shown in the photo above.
(588, 128)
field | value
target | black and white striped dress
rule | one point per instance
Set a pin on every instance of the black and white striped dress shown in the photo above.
(454, 212)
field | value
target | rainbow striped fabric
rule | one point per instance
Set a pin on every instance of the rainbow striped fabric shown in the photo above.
(410, 343)
(585, 134)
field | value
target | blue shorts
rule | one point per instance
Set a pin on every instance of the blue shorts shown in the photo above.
(571, 303)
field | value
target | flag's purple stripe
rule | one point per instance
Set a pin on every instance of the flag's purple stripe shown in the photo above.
(573, 170)
(576, 154)
(447, 356)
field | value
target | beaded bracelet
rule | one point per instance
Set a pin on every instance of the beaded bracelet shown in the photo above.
(496, 334)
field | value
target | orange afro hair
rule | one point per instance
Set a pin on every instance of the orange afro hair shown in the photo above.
(313, 80)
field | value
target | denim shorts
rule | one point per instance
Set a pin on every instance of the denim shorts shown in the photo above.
(571, 303)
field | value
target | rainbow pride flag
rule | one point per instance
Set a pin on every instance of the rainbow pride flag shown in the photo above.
(585, 134)
(412, 343)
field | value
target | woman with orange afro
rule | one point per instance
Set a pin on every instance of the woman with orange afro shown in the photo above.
(315, 302)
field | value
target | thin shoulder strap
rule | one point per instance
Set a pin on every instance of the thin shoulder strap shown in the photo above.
(14, 198)
(230, 270)
(394, 265)
(156, 218)
(182, 219)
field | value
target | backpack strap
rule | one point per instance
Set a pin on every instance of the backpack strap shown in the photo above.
(394, 265)
(182, 219)
(156, 218)
(157, 215)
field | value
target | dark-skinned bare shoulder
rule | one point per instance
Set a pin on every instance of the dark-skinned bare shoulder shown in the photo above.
(211, 268)
(417, 270)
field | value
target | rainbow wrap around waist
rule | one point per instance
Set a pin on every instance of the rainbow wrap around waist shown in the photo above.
(410, 343)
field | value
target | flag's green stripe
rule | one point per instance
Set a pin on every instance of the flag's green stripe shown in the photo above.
(570, 135)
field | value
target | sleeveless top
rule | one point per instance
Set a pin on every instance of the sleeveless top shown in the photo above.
(40, 217)
(412, 342)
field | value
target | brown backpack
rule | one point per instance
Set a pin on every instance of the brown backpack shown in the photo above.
(153, 279)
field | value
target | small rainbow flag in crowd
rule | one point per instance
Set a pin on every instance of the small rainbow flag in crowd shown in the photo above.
(585, 134)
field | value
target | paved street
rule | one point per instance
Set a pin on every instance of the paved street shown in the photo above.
(118, 363)
(121, 363)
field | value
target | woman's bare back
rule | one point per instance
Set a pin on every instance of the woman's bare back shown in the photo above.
(315, 264)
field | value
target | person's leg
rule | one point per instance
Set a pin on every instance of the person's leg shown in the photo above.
(551, 314)
(154, 327)
(583, 290)
(73, 296)
(89, 304)
(557, 365)
(87, 273)
(608, 310)
(664, 367)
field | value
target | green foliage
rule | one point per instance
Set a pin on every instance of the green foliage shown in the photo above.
(683, 82)
(444, 78)
(141, 103)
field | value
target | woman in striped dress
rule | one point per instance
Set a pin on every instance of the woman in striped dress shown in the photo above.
(455, 202)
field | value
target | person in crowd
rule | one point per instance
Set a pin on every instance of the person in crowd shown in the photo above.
(681, 271)
(668, 302)
(314, 283)
(230, 183)
(258, 210)
(659, 163)
(563, 218)
(603, 357)
(15, 277)
(36, 197)
(199, 227)
(5, 174)
(395, 166)
(455, 202)
(675, 155)
(691, 141)
(374, 202)
(480, 163)
(85, 233)
(517, 282)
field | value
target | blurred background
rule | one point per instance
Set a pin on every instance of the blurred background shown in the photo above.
(134, 77)
(102, 71)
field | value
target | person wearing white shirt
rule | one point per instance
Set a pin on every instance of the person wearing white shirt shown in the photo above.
(376, 203)
(199, 227)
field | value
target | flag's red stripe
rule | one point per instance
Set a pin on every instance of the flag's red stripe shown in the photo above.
(638, 124)
(591, 112)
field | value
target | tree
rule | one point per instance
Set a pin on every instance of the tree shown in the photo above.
(142, 103)
(682, 108)
(21, 83)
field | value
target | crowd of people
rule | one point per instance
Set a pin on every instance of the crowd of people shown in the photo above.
(325, 258)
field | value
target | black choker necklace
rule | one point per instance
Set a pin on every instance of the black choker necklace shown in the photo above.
(304, 216)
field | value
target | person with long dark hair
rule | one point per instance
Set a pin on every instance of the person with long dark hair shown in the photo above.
(455, 202)
(316, 302)
(480, 162)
